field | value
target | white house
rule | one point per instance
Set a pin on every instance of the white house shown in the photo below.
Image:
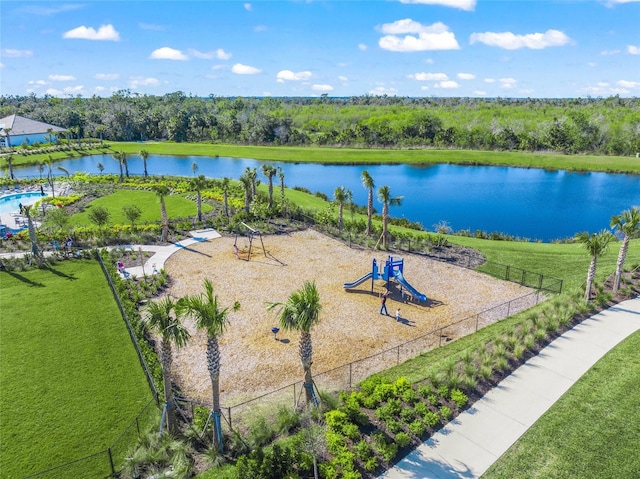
(15, 130)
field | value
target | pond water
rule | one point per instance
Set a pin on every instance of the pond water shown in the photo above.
(529, 203)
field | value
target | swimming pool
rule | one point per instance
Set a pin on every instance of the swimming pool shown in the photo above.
(12, 202)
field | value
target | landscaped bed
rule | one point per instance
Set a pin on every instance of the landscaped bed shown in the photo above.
(70, 378)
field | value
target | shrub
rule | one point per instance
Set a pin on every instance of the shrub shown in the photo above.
(458, 397)
(433, 399)
(403, 439)
(384, 446)
(287, 419)
(401, 385)
(407, 414)
(351, 408)
(336, 442)
(410, 396)
(260, 432)
(384, 391)
(371, 464)
(393, 425)
(443, 391)
(335, 420)
(445, 412)
(421, 409)
(425, 390)
(431, 419)
(417, 427)
(351, 431)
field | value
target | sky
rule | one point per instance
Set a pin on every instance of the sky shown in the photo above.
(407, 48)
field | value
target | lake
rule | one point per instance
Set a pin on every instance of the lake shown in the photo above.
(529, 203)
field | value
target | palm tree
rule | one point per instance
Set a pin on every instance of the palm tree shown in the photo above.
(194, 168)
(100, 167)
(162, 191)
(369, 184)
(384, 197)
(162, 318)
(596, 244)
(210, 317)
(8, 138)
(628, 223)
(40, 168)
(125, 163)
(252, 174)
(245, 179)
(9, 159)
(300, 313)
(225, 195)
(199, 184)
(35, 250)
(269, 171)
(281, 177)
(64, 170)
(341, 196)
(50, 180)
(144, 154)
(119, 157)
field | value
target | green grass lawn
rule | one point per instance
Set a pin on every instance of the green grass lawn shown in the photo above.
(591, 432)
(377, 156)
(147, 201)
(70, 379)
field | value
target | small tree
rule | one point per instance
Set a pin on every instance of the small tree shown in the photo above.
(596, 245)
(132, 213)
(99, 216)
(199, 184)
(59, 218)
(163, 191)
(144, 154)
(627, 223)
(341, 196)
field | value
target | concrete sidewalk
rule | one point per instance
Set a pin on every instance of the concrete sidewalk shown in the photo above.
(471, 443)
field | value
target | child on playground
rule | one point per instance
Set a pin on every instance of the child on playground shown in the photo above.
(398, 314)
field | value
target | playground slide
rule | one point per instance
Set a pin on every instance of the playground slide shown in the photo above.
(357, 281)
(400, 278)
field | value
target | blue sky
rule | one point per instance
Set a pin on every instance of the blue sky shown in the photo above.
(416, 48)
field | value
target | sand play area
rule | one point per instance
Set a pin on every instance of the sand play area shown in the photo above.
(351, 328)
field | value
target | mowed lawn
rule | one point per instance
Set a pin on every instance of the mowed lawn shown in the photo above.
(147, 201)
(70, 379)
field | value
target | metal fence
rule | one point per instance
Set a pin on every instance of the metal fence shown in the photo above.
(109, 461)
(345, 377)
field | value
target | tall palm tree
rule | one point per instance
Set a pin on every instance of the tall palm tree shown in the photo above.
(199, 184)
(50, 180)
(162, 191)
(596, 244)
(161, 317)
(341, 196)
(269, 171)
(118, 156)
(40, 168)
(9, 159)
(144, 154)
(209, 316)
(35, 250)
(7, 137)
(123, 155)
(281, 178)
(252, 174)
(369, 184)
(384, 197)
(300, 313)
(628, 223)
(225, 195)
(245, 179)
(100, 167)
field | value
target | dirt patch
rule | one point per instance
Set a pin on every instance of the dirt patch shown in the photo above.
(351, 328)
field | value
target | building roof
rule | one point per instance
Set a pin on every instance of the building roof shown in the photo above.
(25, 126)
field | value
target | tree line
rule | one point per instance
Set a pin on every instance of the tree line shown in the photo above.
(608, 126)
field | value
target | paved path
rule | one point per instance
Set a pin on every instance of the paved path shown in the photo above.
(472, 442)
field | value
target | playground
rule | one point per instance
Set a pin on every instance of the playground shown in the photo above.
(350, 327)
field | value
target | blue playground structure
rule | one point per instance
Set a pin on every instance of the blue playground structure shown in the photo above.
(392, 269)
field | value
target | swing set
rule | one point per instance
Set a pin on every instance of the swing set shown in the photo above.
(252, 234)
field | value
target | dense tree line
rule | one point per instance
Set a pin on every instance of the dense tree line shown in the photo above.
(585, 125)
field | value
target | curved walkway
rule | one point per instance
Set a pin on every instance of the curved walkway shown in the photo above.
(471, 443)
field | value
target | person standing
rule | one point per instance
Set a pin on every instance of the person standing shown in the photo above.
(383, 302)
(398, 314)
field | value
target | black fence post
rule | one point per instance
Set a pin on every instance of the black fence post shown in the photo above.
(113, 469)
(507, 272)
(229, 414)
(540, 282)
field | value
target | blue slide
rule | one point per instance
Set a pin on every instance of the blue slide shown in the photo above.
(398, 275)
(358, 281)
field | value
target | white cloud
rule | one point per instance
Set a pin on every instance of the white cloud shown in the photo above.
(70, 90)
(447, 84)
(466, 76)
(166, 53)
(479, 92)
(467, 5)
(362, 46)
(248, 7)
(429, 37)
(99, 89)
(1, 65)
(240, 69)
(381, 90)
(219, 67)
(489, 80)
(62, 77)
(38, 82)
(288, 75)
(633, 49)
(526, 91)
(342, 78)
(33, 10)
(219, 54)
(611, 3)
(136, 82)
(592, 64)
(605, 53)
(106, 76)
(511, 41)
(105, 32)
(424, 87)
(13, 53)
(508, 82)
(422, 76)
(628, 84)
(429, 61)
(603, 84)
(321, 87)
